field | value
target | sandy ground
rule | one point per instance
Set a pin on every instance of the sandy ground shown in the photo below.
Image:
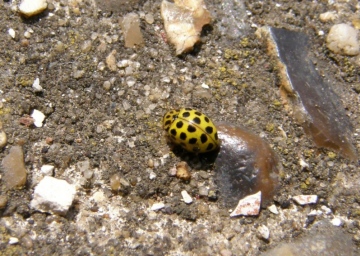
(111, 120)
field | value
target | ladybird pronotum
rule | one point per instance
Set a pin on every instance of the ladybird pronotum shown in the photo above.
(191, 129)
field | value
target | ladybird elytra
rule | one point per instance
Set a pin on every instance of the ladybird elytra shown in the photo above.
(191, 129)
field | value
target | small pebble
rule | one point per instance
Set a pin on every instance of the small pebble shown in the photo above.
(3, 139)
(38, 117)
(305, 199)
(273, 209)
(152, 175)
(157, 206)
(115, 182)
(12, 33)
(36, 85)
(342, 39)
(336, 222)
(186, 197)
(30, 8)
(264, 232)
(131, 28)
(14, 171)
(182, 171)
(203, 191)
(111, 61)
(53, 196)
(327, 16)
(149, 18)
(47, 169)
(248, 206)
(27, 241)
(13, 240)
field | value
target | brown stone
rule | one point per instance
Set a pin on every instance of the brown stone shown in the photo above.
(14, 171)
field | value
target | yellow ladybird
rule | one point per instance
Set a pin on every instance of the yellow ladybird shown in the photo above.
(191, 129)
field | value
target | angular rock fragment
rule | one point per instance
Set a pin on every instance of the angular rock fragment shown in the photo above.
(245, 164)
(14, 171)
(53, 195)
(29, 8)
(183, 21)
(308, 97)
(305, 199)
(131, 29)
(248, 206)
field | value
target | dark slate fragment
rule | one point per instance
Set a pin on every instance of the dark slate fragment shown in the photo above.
(245, 165)
(314, 105)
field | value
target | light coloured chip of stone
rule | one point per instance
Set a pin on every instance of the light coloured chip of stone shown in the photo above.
(186, 197)
(30, 8)
(272, 208)
(38, 117)
(264, 232)
(343, 39)
(36, 85)
(12, 33)
(183, 21)
(53, 196)
(327, 16)
(14, 171)
(305, 199)
(13, 240)
(131, 28)
(157, 206)
(111, 61)
(47, 169)
(3, 139)
(248, 206)
(336, 222)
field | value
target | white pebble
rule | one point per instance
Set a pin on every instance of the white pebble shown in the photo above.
(248, 206)
(305, 199)
(53, 195)
(152, 175)
(157, 206)
(342, 39)
(47, 169)
(336, 222)
(12, 32)
(30, 8)
(13, 240)
(36, 85)
(327, 16)
(272, 208)
(327, 210)
(38, 118)
(186, 197)
(264, 232)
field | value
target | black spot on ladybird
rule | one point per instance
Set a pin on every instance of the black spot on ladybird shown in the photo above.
(186, 114)
(192, 141)
(197, 120)
(173, 132)
(191, 128)
(210, 146)
(179, 124)
(207, 119)
(203, 138)
(197, 113)
(183, 136)
(209, 129)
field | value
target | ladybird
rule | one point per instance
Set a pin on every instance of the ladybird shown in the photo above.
(192, 130)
